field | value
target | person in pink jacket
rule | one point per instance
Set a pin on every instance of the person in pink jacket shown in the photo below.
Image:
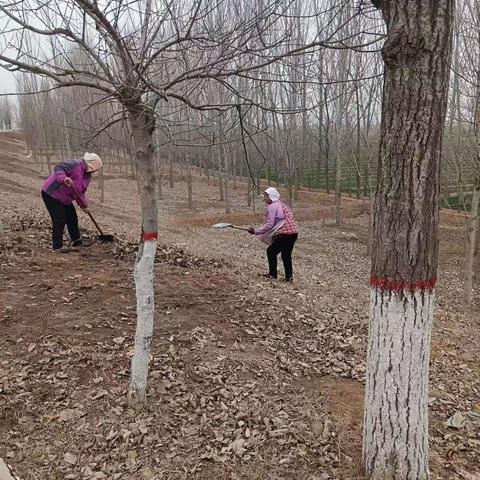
(280, 231)
(60, 189)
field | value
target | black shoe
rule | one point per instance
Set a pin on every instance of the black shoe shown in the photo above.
(267, 275)
(289, 280)
(82, 243)
(62, 250)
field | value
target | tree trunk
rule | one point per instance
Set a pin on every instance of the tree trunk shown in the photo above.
(102, 186)
(49, 163)
(249, 187)
(370, 230)
(473, 224)
(142, 131)
(477, 252)
(189, 187)
(220, 185)
(338, 192)
(417, 56)
(327, 158)
(358, 150)
(297, 187)
(473, 231)
(160, 185)
(224, 163)
(340, 132)
(235, 170)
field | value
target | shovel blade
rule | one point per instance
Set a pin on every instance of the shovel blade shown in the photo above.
(106, 238)
(222, 225)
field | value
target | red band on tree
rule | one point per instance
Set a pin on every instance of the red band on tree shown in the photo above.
(402, 286)
(150, 236)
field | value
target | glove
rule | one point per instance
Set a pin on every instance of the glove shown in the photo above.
(251, 231)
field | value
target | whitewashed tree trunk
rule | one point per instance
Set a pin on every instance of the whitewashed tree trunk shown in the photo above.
(396, 416)
(142, 132)
(417, 56)
(145, 316)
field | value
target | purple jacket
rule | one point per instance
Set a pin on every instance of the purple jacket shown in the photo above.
(74, 169)
(273, 215)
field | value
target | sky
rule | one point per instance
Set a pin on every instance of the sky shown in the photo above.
(7, 81)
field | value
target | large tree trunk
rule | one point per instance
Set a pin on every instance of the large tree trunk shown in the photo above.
(417, 56)
(142, 132)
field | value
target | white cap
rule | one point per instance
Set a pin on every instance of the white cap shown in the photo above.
(93, 161)
(273, 194)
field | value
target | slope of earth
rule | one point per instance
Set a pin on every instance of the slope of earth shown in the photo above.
(225, 399)
(250, 379)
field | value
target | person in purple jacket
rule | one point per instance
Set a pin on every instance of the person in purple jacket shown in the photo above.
(280, 231)
(58, 193)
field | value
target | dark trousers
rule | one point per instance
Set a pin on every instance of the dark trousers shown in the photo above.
(61, 215)
(283, 244)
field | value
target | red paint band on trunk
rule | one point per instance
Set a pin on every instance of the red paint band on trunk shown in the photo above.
(402, 286)
(150, 236)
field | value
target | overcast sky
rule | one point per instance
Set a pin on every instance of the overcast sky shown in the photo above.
(7, 81)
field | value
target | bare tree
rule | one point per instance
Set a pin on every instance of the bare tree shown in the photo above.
(417, 56)
(6, 114)
(473, 230)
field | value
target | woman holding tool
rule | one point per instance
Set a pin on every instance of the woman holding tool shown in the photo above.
(279, 231)
(68, 182)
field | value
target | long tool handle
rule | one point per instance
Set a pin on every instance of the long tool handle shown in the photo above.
(239, 228)
(95, 223)
(77, 196)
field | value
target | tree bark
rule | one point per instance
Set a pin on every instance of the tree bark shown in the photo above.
(189, 187)
(170, 156)
(142, 132)
(159, 178)
(473, 232)
(417, 56)
(339, 133)
(338, 192)
(101, 184)
(224, 163)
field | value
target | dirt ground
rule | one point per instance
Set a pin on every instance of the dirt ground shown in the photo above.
(249, 380)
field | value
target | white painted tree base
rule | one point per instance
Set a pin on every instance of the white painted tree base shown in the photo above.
(145, 316)
(396, 402)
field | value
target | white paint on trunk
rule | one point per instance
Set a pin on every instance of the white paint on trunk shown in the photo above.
(5, 472)
(395, 445)
(145, 316)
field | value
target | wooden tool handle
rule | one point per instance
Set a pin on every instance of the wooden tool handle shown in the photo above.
(77, 196)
